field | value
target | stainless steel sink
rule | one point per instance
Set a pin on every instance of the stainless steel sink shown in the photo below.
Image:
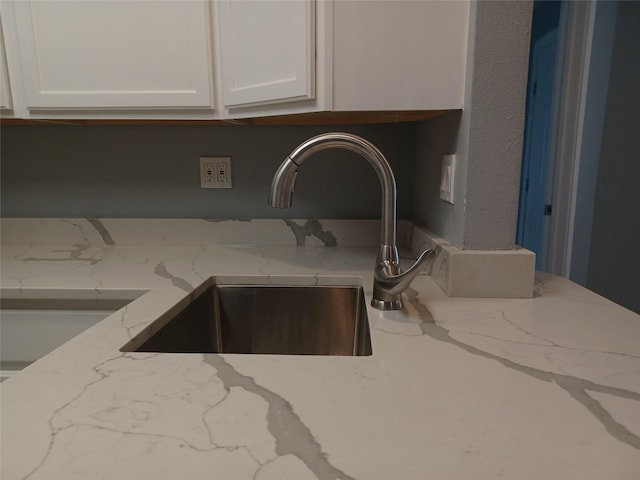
(264, 319)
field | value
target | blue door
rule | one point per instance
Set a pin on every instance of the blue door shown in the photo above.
(532, 207)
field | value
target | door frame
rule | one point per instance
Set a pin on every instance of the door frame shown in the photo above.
(575, 35)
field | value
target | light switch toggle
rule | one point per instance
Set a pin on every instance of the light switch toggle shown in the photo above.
(447, 180)
(215, 172)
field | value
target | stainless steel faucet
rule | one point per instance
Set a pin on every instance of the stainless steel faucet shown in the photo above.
(389, 282)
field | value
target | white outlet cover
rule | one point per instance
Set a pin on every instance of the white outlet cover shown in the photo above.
(215, 172)
(448, 177)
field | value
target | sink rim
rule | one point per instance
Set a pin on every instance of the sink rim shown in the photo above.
(151, 328)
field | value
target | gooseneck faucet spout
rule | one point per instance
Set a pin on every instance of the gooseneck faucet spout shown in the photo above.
(389, 282)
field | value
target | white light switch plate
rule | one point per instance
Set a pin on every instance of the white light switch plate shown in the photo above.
(447, 180)
(215, 172)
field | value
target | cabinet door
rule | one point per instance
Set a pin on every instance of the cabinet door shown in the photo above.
(405, 55)
(5, 90)
(267, 51)
(102, 54)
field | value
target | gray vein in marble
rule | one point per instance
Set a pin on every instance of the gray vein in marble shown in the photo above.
(388, 332)
(538, 287)
(313, 228)
(80, 229)
(55, 430)
(526, 332)
(222, 220)
(401, 334)
(181, 283)
(74, 256)
(102, 230)
(262, 268)
(547, 342)
(16, 256)
(180, 441)
(204, 419)
(576, 387)
(441, 272)
(194, 267)
(123, 319)
(120, 254)
(585, 297)
(291, 434)
(550, 345)
(255, 475)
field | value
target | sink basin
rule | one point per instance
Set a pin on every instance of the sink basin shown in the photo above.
(263, 319)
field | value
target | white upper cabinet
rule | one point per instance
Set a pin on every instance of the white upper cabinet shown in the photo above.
(267, 51)
(399, 55)
(369, 56)
(120, 55)
(5, 89)
(168, 59)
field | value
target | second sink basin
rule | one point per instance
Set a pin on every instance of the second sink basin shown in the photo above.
(264, 319)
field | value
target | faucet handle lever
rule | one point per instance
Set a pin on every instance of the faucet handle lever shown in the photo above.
(389, 283)
(396, 283)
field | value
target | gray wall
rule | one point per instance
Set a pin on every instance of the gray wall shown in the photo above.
(436, 138)
(595, 105)
(153, 171)
(488, 136)
(496, 124)
(614, 266)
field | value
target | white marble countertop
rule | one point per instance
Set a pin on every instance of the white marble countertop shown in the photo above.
(456, 388)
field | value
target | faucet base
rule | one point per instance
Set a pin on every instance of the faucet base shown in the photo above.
(386, 305)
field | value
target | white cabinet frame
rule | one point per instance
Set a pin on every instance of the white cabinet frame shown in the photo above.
(5, 87)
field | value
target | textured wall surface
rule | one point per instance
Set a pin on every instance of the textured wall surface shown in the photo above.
(496, 124)
(486, 138)
(436, 138)
(153, 171)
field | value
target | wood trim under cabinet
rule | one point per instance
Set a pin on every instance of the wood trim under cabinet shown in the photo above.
(315, 118)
